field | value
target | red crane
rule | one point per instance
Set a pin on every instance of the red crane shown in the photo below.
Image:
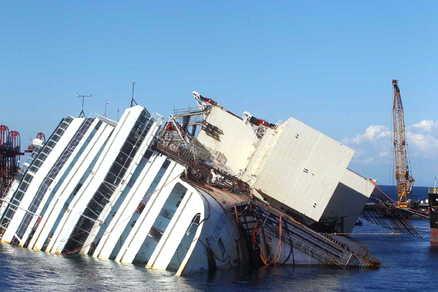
(9, 157)
(401, 166)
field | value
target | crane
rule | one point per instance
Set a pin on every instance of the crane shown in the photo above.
(401, 166)
(9, 158)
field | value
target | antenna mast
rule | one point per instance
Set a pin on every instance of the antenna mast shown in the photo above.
(401, 168)
(105, 113)
(133, 101)
(83, 96)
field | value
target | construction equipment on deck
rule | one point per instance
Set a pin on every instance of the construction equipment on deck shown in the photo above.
(401, 168)
(381, 208)
(9, 157)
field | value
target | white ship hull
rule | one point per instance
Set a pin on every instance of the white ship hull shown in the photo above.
(101, 189)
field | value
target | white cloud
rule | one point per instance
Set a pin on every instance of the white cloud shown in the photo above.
(374, 144)
(374, 151)
(372, 133)
(425, 145)
(426, 125)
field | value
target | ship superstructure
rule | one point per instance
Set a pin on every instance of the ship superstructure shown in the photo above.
(206, 189)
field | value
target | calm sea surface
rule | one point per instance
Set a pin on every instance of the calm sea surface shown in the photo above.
(408, 264)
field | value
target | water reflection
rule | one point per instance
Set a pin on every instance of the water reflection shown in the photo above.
(411, 259)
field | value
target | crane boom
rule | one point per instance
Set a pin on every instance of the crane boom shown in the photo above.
(401, 168)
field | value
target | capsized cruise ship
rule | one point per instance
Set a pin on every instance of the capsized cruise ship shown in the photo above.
(205, 190)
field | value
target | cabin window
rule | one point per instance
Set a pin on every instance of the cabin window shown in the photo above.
(184, 244)
(161, 222)
(140, 208)
(71, 197)
(119, 201)
(109, 184)
(54, 171)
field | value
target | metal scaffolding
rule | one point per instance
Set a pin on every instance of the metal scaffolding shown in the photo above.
(9, 157)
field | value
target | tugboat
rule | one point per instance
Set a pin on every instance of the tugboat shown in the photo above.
(433, 214)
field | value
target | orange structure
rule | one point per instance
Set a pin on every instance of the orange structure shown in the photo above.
(9, 157)
(401, 168)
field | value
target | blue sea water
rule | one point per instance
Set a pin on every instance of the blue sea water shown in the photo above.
(408, 264)
(418, 193)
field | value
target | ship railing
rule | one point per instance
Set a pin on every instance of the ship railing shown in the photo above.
(324, 248)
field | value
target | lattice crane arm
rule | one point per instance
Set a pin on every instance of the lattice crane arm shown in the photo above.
(401, 167)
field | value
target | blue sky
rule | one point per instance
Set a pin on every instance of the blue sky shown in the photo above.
(328, 63)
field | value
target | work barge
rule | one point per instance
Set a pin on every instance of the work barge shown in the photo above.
(204, 190)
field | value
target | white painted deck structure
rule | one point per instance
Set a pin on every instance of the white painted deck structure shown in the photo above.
(98, 188)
